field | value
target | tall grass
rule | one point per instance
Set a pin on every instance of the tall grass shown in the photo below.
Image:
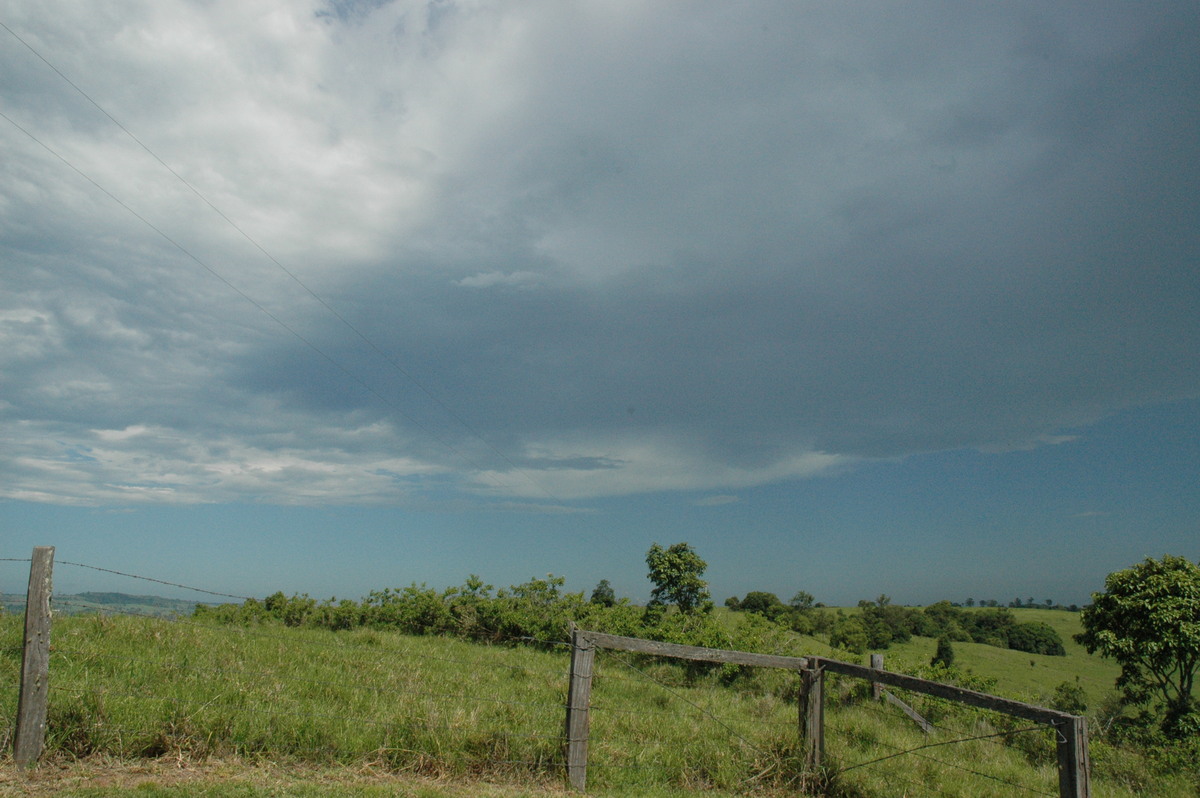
(135, 687)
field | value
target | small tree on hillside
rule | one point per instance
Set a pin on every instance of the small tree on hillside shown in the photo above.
(762, 602)
(945, 652)
(1148, 620)
(802, 601)
(676, 573)
(850, 634)
(604, 594)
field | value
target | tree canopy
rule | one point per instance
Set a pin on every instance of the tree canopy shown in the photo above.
(604, 594)
(676, 573)
(1148, 620)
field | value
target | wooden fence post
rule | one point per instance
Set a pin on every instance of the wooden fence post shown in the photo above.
(812, 715)
(876, 687)
(32, 702)
(579, 694)
(1074, 769)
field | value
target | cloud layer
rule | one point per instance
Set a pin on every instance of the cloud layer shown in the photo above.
(552, 251)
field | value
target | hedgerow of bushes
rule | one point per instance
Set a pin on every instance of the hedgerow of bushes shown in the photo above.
(537, 612)
(880, 623)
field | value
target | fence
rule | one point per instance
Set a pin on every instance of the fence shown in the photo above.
(1071, 730)
(513, 736)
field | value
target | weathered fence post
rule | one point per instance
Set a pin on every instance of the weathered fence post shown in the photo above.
(579, 694)
(812, 714)
(1074, 771)
(32, 702)
(876, 687)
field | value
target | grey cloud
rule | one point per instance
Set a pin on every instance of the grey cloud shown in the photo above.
(716, 246)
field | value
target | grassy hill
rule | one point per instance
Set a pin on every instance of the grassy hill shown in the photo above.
(1030, 676)
(121, 603)
(428, 715)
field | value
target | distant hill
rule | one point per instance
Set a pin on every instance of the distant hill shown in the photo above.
(120, 603)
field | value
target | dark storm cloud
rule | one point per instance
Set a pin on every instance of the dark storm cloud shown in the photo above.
(628, 248)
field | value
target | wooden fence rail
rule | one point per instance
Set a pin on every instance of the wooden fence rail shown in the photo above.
(1073, 766)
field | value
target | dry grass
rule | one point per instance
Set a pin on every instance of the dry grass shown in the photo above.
(104, 776)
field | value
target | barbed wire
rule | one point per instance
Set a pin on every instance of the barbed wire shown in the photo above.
(992, 717)
(916, 749)
(666, 714)
(684, 699)
(158, 581)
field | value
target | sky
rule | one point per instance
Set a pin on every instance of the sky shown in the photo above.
(330, 296)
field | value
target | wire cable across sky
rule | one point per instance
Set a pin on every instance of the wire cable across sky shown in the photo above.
(390, 360)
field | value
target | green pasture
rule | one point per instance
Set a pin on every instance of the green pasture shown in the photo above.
(1029, 677)
(270, 710)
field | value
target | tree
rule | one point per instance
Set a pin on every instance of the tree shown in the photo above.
(803, 601)
(676, 573)
(603, 594)
(765, 604)
(886, 623)
(1148, 620)
(1036, 638)
(1070, 697)
(850, 634)
(945, 652)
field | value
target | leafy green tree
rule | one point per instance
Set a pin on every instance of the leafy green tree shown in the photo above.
(802, 601)
(886, 623)
(945, 652)
(1070, 697)
(1036, 638)
(990, 627)
(850, 634)
(604, 594)
(676, 573)
(1148, 620)
(766, 604)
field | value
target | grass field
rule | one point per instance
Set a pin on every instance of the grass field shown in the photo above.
(1031, 677)
(1028, 677)
(157, 707)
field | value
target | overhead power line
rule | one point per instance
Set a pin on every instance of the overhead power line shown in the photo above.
(333, 361)
(329, 308)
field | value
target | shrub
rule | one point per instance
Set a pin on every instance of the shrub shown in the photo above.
(945, 653)
(1036, 638)
(766, 604)
(850, 634)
